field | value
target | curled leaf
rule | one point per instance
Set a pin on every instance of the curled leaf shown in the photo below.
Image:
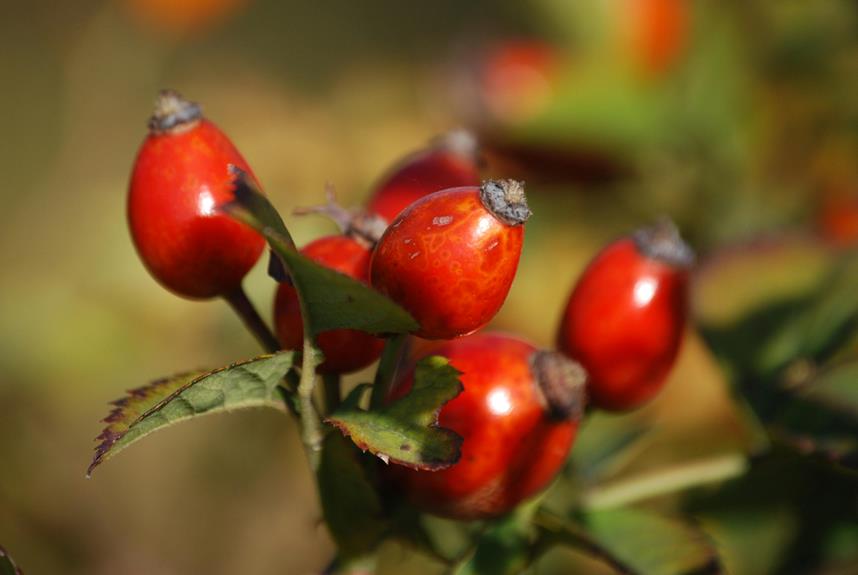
(406, 432)
(329, 299)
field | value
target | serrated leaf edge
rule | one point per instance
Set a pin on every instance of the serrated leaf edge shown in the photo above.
(109, 439)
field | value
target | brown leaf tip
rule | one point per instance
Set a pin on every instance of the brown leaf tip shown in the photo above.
(506, 200)
(561, 383)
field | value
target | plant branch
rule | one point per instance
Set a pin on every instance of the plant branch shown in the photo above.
(661, 482)
(311, 425)
(242, 306)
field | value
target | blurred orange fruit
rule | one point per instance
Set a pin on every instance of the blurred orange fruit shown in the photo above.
(838, 219)
(517, 78)
(183, 16)
(655, 32)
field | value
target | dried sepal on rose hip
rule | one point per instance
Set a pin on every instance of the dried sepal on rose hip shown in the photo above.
(518, 416)
(450, 161)
(626, 315)
(345, 350)
(449, 259)
(180, 177)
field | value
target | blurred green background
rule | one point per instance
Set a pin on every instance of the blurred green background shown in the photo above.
(747, 127)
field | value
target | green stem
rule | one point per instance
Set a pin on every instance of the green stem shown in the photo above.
(311, 425)
(387, 369)
(242, 306)
(664, 481)
(332, 391)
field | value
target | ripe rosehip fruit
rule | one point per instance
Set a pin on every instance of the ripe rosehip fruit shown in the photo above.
(345, 350)
(450, 258)
(451, 162)
(625, 318)
(655, 31)
(184, 16)
(518, 77)
(518, 415)
(181, 175)
(838, 219)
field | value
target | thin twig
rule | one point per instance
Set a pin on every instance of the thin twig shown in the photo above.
(242, 306)
(665, 481)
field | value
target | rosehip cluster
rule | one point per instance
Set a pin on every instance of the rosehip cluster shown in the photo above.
(448, 257)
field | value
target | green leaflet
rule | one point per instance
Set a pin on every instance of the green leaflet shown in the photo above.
(652, 544)
(822, 417)
(329, 299)
(7, 566)
(406, 432)
(351, 506)
(506, 547)
(251, 383)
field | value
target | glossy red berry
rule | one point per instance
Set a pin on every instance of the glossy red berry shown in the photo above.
(345, 350)
(450, 258)
(451, 162)
(518, 415)
(181, 175)
(625, 318)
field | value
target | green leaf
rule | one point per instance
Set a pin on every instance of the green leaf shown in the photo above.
(7, 566)
(407, 432)
(652, 544)
(329, 299)
(768, 281)
(605, 445)
(504, 548)
(352, 508)
(817, 330)
(822, 416)
(251, 383)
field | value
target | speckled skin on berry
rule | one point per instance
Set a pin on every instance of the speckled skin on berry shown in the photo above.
(180, 177)
(449, 260)
(512, 444)
(345, 350)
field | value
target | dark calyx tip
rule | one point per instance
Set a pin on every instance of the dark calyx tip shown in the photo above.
(506, 200)
(562, 383)
(173, 112)
(662, 242)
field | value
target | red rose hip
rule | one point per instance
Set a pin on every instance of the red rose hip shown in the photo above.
(452, 161)
(626, 315)
(181, 176)
(345, 350)
(450, 258)
(518, 416)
